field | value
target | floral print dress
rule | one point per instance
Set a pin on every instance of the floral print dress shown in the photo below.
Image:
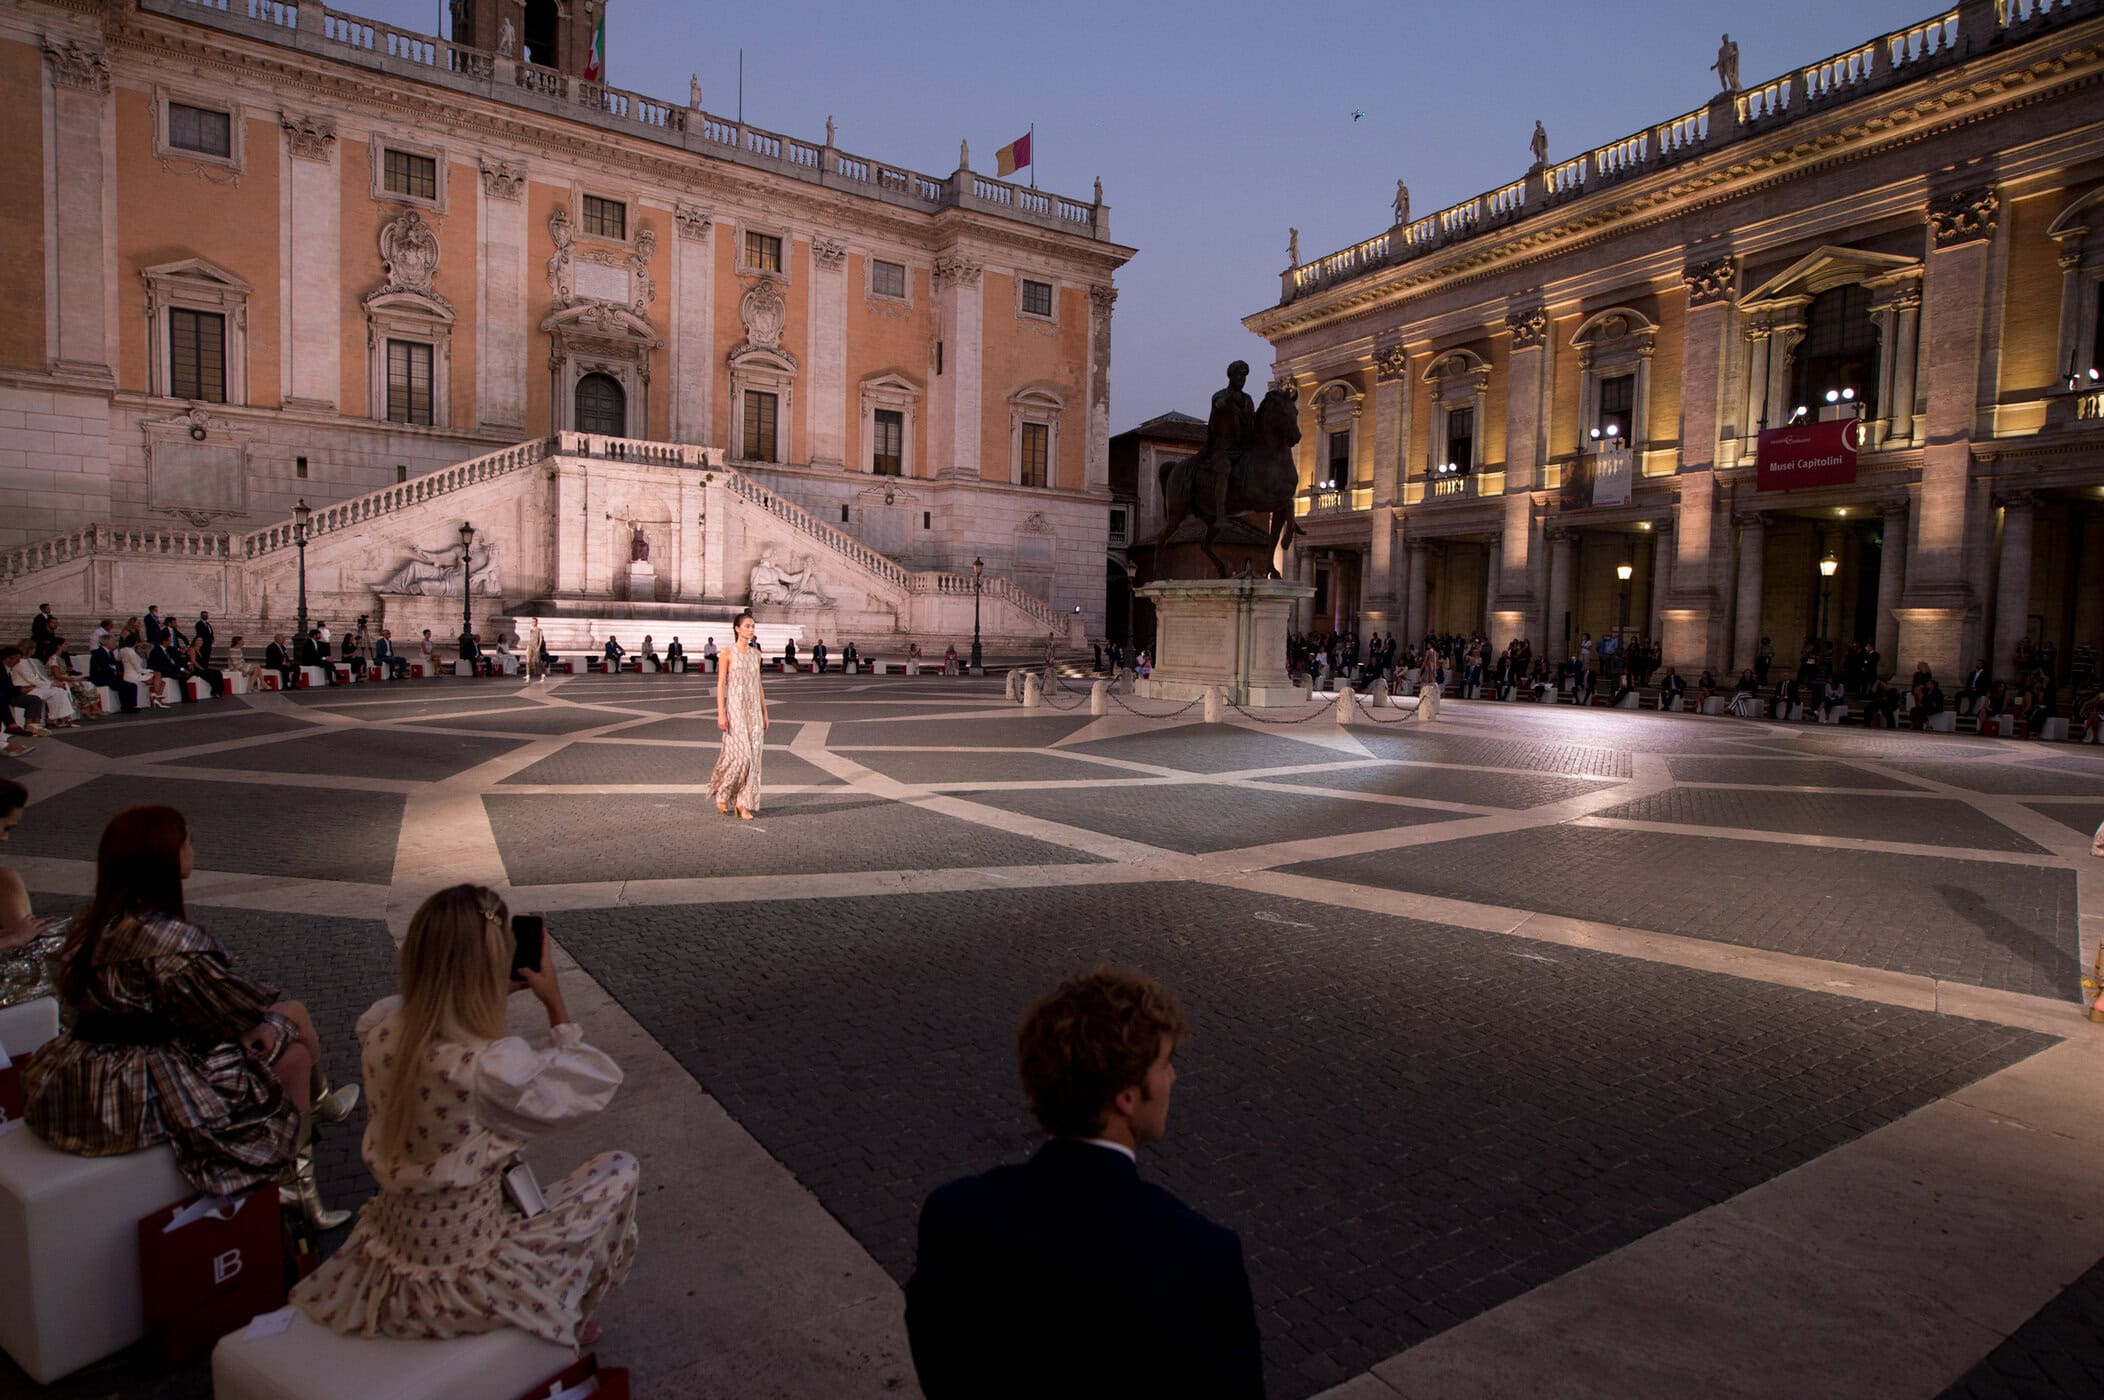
(736, 781)
(441, 1251)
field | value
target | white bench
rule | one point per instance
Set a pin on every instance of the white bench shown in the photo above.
(1628, 702)
(196, 688)
(2056, 730)
(311, 676)
(310, 1362)
(69, 1233)
(1943, 722)
(1715, 705)
(111, 703)
(272, 680)
(463, 668)
(234, 683)
(345, 672)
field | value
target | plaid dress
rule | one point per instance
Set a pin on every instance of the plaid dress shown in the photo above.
(169, 1066)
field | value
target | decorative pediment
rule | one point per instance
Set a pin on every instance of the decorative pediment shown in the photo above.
(2078, 218)
(891, 382)
(1615, 323)
(400, 305)
(196, 272)
(623, 328)
(1339, 393)
(754, 357)
(1038, 396)
(1456, 364)
(1826, 268)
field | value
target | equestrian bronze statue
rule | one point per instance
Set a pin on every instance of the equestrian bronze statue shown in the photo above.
(1245, 467)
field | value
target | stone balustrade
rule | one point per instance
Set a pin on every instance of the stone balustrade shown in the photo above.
(1757, 108)
(371, 43)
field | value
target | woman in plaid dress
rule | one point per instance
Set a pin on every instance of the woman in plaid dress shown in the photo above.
(168, 1042)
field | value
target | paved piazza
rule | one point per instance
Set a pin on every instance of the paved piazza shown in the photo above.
(1534, 1051)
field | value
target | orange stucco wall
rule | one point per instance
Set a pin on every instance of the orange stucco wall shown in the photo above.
(1014, 355)
(881, 340)
(167, 214)
(22, 331)
(361, 219)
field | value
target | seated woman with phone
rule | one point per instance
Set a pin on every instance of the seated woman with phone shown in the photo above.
(461, 1239)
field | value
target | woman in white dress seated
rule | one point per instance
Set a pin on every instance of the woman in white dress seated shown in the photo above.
(151, 683)
(32, 677)
(443, 1250)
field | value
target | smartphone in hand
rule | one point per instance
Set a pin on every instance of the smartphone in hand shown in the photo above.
(528, 933)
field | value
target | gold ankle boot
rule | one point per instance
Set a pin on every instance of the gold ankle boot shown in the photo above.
(297, 1189)
(329, 1107)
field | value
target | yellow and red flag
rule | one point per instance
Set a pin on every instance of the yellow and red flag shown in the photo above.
(1014, 156)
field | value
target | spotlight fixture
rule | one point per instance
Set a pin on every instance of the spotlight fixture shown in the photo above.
(1625, 571)
(1829, 566)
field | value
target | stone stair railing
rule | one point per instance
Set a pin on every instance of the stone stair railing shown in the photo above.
(840, 542)
(91, 540)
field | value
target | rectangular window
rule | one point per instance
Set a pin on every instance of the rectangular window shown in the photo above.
(1037, 453)
(1117, 524)
(408, 382)
(888, 451)
(196, 355)
(1037, 298)
(605, 218)
(1618, 406)
(1461, 438)
(1340, 459)
(887, 279)
(759, 426)
(763, 252)
(200, 129)
(405, 172)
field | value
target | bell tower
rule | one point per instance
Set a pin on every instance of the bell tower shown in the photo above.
(546, 33)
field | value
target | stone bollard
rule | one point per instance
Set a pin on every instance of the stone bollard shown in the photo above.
(1033, 693)
(1099, 698)
(1428, 703)
(1345, 704)
(1010, 688)
(1380, 691)
(1212, 704)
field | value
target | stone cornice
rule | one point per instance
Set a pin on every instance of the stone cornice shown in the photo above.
(1875, 125)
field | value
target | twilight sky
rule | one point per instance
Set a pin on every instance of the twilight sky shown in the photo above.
(1214, 126)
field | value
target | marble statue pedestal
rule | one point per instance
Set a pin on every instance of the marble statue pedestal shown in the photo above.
(642, 582)
(1228, 632)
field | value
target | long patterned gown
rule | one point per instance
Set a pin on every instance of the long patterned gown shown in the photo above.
(736, 781)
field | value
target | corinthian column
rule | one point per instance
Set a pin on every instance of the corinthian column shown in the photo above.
(2012, 586)
(80, 102)
(1746, 632)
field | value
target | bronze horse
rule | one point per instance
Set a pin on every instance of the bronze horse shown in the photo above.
(1263, 481)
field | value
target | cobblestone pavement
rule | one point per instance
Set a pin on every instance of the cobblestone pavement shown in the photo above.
(1411, 1115)
(2054, 1356)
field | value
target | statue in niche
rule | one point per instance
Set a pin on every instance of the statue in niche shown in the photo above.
(507, 39)
(1540, 144)
(1727, 65)
(436, 573)
(638, 543)
(1402, 203)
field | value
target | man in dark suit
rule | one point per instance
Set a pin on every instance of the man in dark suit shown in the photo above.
(203, 633)
(105, 669)
(278, 657)
(155, 629)
(163, 658)
(43, 632)
(1068, 1275)
(675, 656)
(384, 655)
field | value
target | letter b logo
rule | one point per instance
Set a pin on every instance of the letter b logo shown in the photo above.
(225, 1266)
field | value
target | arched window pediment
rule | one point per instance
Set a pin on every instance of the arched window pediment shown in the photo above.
(1616, 323)
(410, 306)
(602, 321)
(753, 358)
(1455, 364)
(2078, 218)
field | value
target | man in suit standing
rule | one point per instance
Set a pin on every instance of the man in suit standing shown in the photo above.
(202, 632)
(1068, 1275)
(155, 628)
(43, 632)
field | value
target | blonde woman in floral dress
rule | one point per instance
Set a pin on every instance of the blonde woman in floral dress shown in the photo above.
(442, 1251)
(741, 714)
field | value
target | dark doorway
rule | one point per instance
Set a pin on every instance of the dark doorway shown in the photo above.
(602, 406)
(1117, 603)
(540, 33)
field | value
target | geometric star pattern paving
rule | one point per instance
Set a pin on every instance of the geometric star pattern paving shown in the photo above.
(1480, 1007)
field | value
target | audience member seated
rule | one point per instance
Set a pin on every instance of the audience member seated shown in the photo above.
(1883, 706)
(1705, 687)
(213, 677)
(471, 652)
(1924, 702)
(238, 664)
(1833, 699)
(1625, 686)
(131, 634)
(165, 659)
(454, 1100)
(708, 650)
(31, 678)
(1788, 696)
(613, 653)
(12, 699)
(649, 652)
(675, 656)
(1672, 690)
(169, 1043)
(28, 944)
(278, 657)
(427, 652)
(106, 668)
(789, 654)
(949, 659)
(850, 659)
(307, 651)
(1016, 1266)
(384, 656)
(65, 671)
(1745, 696)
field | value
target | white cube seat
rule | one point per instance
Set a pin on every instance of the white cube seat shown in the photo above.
(646, 667)
(1628, 702)
(234, 683)
(1943, 723)
(69, 1248)
(2056, 729)
(344, 672)
(418, 670)
(27, 1025)
(197, 688)
(110, 703)
(311, 676)
(310, 1362)
(1715, 705)
(463, 668)
(507, 663)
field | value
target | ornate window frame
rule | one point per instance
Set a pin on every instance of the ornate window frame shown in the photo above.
(869, 280)
(1774, 317)
(196, 285)
(770, 372)
(1458, 378)
(746, 269)
(1611, 343)
(2081, 274)
(1337, 403)
(236, 159)
(1035, 403)
(889, 389)
(631, 216)
(382, 143)
(423, 320)
(1032, 318)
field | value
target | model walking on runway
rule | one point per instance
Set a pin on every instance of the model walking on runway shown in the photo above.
(741, 714)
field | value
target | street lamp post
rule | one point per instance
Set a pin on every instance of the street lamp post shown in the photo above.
(301, 514)
(467, 583)
(1828, 567)
(1623, 572)
(978, 571)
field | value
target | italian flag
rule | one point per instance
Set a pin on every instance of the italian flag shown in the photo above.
(595, 63)
(1013, 156)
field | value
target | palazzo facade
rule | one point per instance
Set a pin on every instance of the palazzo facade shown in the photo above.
(1507, 401)
(262, 253)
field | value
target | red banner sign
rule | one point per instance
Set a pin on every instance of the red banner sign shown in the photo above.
(1808, 454)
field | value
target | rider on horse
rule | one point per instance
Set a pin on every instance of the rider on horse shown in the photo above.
(1227, 432)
